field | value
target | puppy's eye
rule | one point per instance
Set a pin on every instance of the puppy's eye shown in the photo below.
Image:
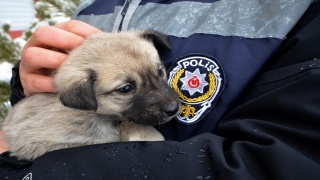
(126, 89)
(160, 72)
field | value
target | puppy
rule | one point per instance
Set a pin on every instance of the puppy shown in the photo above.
(111, 88)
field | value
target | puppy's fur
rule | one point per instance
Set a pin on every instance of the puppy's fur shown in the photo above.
(111, 88)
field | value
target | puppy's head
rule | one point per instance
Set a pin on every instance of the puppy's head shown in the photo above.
(119, 74)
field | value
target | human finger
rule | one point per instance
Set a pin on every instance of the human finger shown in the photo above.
(36, 58)
(44, 52)
(77, 27)
(34, 83)
(51, 37)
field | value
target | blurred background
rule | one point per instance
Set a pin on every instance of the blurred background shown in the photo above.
(18, 20)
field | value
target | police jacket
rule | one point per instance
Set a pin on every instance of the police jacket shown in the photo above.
(245, 72)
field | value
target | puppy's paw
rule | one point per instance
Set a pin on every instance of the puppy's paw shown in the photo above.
(130, 131)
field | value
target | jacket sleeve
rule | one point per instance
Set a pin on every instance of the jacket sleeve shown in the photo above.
(16, 87)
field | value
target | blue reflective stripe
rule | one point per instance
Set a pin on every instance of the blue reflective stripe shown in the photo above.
(102, 22)
(100, 7)
(253, 19)
(131, 9)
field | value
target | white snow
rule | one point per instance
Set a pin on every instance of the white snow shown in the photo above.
(7, 22)
(5, 71)
(20, 41)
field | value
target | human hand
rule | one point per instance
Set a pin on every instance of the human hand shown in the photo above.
(46, 50)
(3, 145)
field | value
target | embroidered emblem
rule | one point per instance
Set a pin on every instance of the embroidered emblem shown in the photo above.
(198, 81)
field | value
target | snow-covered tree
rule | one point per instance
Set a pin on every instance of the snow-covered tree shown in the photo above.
(10, 50)
(49, 12)
(9, 55)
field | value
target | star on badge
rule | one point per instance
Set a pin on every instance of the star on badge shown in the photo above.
(194, 82)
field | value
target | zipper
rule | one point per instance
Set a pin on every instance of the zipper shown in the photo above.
(124, 12)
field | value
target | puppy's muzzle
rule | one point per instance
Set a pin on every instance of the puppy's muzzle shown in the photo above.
(172, 108)
(154, 107)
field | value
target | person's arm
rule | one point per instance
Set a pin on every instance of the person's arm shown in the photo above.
(16, 87)
(45, 51)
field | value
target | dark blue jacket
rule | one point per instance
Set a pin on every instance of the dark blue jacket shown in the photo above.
(273, 134)
(217, 48)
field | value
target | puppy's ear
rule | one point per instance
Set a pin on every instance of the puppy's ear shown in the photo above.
(159, 40)
(81, 95)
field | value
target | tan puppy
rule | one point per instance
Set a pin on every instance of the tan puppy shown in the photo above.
(112, 88)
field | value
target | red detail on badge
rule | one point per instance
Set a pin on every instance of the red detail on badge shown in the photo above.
(194, 82)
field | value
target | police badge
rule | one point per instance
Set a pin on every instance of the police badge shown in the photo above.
(198, 81)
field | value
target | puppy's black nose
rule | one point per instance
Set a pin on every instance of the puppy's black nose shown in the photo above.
(171, 108)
